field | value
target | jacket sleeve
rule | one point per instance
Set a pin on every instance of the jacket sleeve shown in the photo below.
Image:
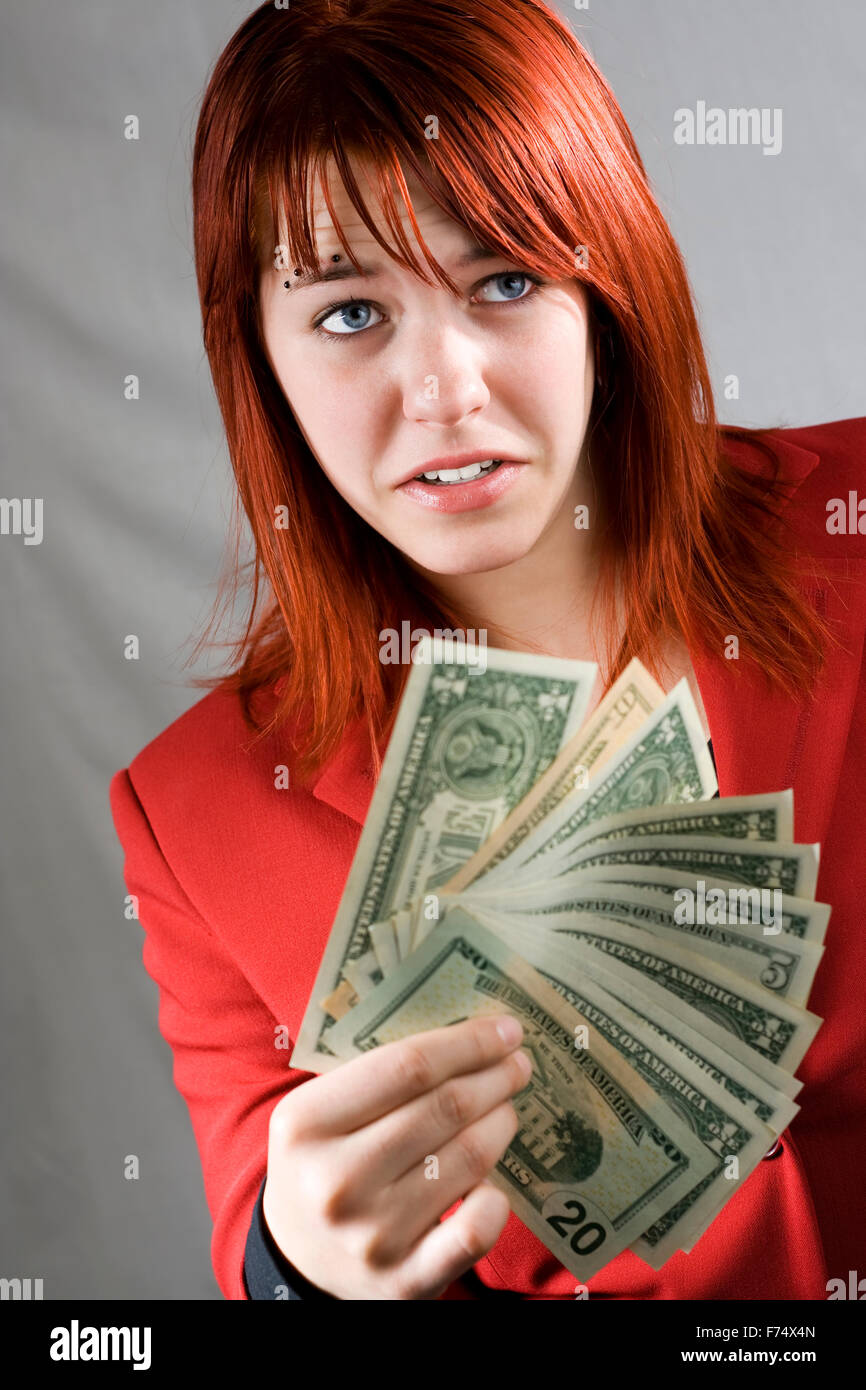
(267, 1273)
(221, 1034)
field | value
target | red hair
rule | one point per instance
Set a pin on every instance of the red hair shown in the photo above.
(533, 156)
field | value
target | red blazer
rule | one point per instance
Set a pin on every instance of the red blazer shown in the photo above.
(238, 884)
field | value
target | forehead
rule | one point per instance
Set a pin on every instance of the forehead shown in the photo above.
(432, 219)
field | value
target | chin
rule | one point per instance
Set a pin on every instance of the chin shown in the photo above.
(468, 558)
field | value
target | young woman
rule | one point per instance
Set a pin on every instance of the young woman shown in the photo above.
(515, 308)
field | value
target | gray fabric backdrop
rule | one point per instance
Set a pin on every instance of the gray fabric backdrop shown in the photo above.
(99, 283)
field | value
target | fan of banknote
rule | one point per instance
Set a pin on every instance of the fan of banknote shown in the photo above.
(657, 942)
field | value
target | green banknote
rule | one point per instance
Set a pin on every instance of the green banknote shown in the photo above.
(755, 863)
(599, 1155)
(769, 1025)
(665, 760)
(625, 707)
(752, 945)
(467, 745)
(734, 1136)
(795, 916)
(733, 1112)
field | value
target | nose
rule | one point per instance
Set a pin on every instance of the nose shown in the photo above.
(443, 376)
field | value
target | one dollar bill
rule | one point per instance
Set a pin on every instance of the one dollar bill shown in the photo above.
(467, 746)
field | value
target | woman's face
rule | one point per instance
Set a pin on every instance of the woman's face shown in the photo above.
(398, 383)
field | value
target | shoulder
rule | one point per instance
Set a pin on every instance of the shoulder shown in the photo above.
(208, 785)
(213, 730)
(824, 466)
(808, 450)
(840, 446)
(211, 818)
(207, 747)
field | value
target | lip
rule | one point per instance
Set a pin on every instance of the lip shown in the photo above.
(464, 497)
(456, 461)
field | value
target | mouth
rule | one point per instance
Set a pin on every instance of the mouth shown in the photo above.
(448, 477)
(474, 486)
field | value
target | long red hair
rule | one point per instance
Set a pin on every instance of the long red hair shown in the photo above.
(533, 155)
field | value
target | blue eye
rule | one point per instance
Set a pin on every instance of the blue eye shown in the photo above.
(346, 312)
(513, 275)
(347, 306)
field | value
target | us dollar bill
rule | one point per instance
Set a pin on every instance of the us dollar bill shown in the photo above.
(771, 1027)
(735, 1137)
(618, 715)
(758, 816)
(766, 956)
(760, 1085)
(766, 816)
(666, 760)
(733, 1111)
(599, 1155)
(800, 917)
(772, 865)
(753, 1077)
(756, 1083)
(467, 746)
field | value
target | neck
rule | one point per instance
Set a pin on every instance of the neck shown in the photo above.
(540, 602)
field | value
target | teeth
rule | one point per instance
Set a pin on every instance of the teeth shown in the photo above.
(450, 475)
(461, 475)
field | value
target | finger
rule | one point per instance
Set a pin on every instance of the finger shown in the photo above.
(455, 1245)
(402, 1140)
(417, 1200)
(370, 1086)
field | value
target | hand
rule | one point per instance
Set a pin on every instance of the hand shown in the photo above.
(347, 1199)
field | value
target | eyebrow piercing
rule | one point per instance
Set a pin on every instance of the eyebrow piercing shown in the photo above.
(297, 271)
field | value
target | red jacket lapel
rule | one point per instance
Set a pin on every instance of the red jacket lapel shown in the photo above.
(347, 782)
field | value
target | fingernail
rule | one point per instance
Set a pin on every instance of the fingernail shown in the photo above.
(524, 1063)
(509, 1029)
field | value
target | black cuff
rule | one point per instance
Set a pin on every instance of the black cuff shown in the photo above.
(267, 1273)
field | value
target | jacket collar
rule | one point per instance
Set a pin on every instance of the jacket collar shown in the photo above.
(347, 782)
(761, 741)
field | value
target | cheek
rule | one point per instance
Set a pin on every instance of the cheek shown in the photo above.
(333, 424)
(554, 350)
(324, 409)
(549, 384)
